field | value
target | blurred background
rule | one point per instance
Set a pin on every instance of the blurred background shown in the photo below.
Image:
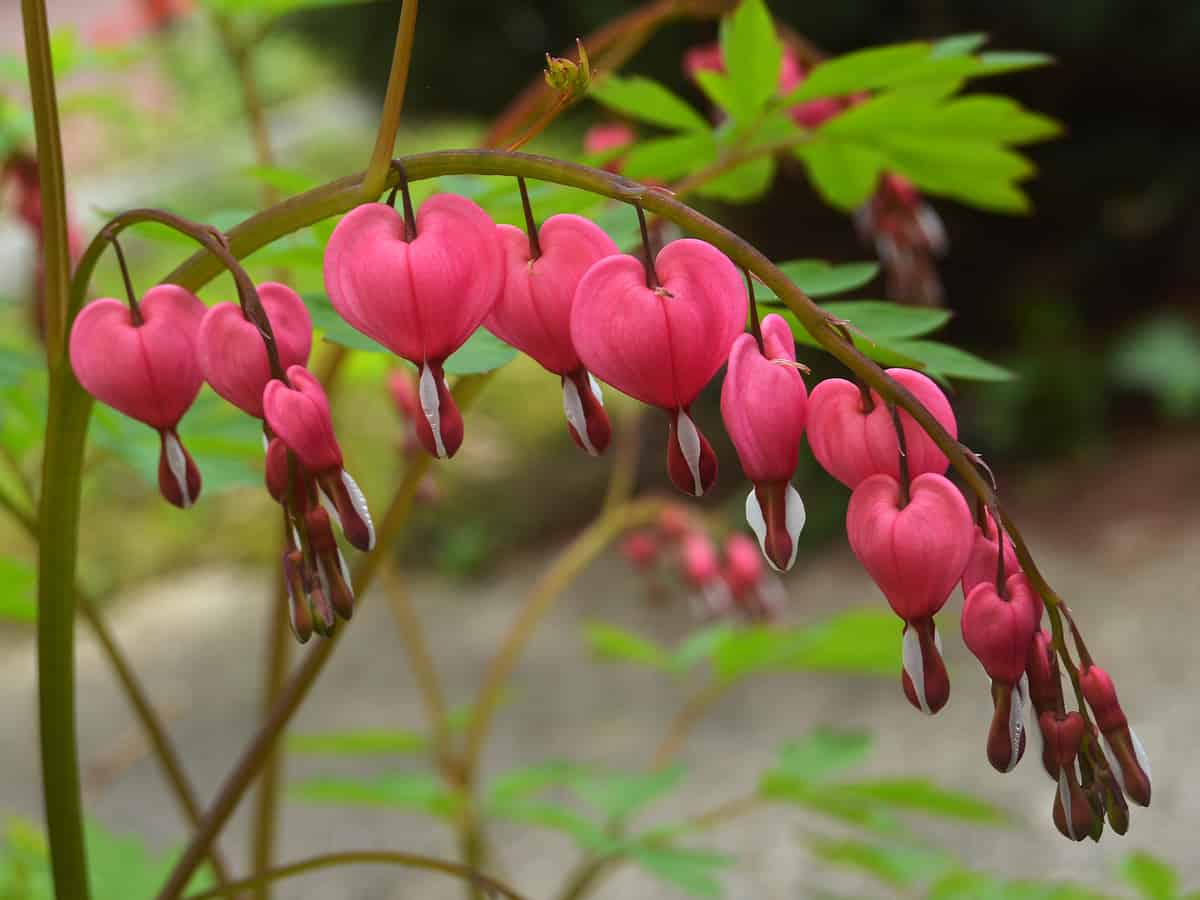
(1091, 300)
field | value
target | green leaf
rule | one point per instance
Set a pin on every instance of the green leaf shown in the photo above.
(741, 184)
(862, 641)
(587, 834)
(669, 158)
(647, 100)
(822, 753)
(958, 45)
(618, 795)
(828, 800)
(858, 71)
(1000, 62)
(612, 643)
(898, 867)
(325, 319)
(751, 650)
(844, 173)
(1161, 356)
(358, 743)
(701, 645)
(416, 791)
(483, 352)
(284, 180)
(1149, 876)
(721, 92)
(883, 320)
(919, 795)
(753, 55)
(274, 8)
(518, 785)
(694, 871)
(17, 598)
(944, 361)
(819, 278)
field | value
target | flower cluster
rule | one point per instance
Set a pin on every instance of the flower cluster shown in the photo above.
(731, 583)
(149, 358)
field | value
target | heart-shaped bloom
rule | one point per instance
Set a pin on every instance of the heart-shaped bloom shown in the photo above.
(231, 352)
(298, 413)
(763, 404)
(982, 563)
(1122, 748)
(146, 370)
(534, 312)
(852, 445)
(915, 552)
(999, 630)
(420, 297)
(663, 344)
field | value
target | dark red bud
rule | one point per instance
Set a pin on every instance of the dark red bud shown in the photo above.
(178, 477)
(351, 505)
(1006, 736)
(1072, 812)
(691, 461)
(300, 613)
(587, 421)
(924, 678)
(1045, 686)
(440, 426)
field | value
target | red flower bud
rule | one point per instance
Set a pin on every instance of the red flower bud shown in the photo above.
(1122, 749)
(924, 678)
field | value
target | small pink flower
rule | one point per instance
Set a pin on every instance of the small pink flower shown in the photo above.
(231, 351)
(1122, 748)
(763, 403)
(534, 313)
(146, 370)
(757, 595)
(298, 413)
(607, 138)
(701, 570)
(641, 549)
(982, 564)
(851, 444)
(1063, 736)
(420, 297)
(999, 630)
(663, 344)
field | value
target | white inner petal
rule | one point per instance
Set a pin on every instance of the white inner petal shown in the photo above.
(689, 443)
(795, 516)
(1016, 725)
(573, 407)
(177, 463)
(345, 572)
(756, 521)
(595, 388)
(914, 665)
(359, 502)
(330, 508)
(1064, 797)
(1140, 753)
(937, 639)
(1111, 759)
(431, 407)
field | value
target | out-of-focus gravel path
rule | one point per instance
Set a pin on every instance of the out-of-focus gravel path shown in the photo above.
(1121, 540)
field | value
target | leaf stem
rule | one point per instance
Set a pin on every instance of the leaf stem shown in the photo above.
(364, 857)
(686, 719)
(393, 103)
(565, 569)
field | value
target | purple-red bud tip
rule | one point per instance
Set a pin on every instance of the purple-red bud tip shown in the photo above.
(178, 477)
(440, 425)
(587, 421)
(924, 677)
(691, 461)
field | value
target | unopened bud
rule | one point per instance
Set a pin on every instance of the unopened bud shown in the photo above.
(567, 76)
(924, 678)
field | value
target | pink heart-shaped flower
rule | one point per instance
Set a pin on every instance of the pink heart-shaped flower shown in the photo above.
(999, 629)
(147, 371)
(232, 355)
(852, 445)
(915, 553)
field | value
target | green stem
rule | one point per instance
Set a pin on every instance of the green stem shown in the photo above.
(686, 719)
(66, 420)
(393, 103)
(585, 876)
(365, 857)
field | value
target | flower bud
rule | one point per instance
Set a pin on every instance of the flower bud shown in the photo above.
(567, 76)
(331, 565)
(1122, 749)
(1063, 735)
(641, 549)
(924, 677)
(300, 612)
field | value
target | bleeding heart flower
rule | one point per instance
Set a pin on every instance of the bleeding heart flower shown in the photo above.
(641, 549)
(421, 291)
(923, 672)
(147, 370)
(701, 569)
(298, 413)
(763, 403)
(999, 628)
(662, 344)
(982, 563)
(231, 351)
(1120, 742)
(914, 551)
(757, 596)
(534, 312)
(851, 444)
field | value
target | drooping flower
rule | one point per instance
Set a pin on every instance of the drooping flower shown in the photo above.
(534, 312)
(998, 627)
(915, 551)
(1063, 734)
(757, 594)
(908, 236)
(231, 351)
(420, 289)
(700, 568)
(298, 413)
(661, 336)
(852, 443)
(641, 549)
(1122, 748)
(982, 563)
(147, 370)
(763, 404)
